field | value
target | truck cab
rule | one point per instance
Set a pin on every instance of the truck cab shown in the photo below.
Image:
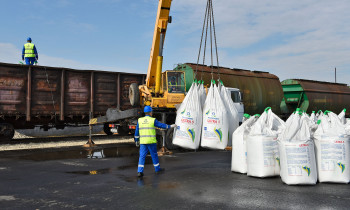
(236, 96)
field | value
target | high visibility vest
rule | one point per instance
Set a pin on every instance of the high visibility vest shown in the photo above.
(172, 84)
(147, 130)
(29, 50)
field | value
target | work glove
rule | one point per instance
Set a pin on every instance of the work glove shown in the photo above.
(137, 143)
(173, 126)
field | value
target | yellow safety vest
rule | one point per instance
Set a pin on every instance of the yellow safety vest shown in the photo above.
(147, 130)
(29, 50)
(172, 84)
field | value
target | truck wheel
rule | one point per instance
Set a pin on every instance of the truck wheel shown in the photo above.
(6, 131)
(134, 95)
(169, 139)
(107, 129)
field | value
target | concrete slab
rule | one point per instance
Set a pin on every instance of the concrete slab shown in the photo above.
(56, 179)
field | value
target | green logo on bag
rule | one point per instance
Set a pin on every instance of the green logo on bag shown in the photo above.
(341, 166)
(183, 111)
(218, 132)
(191, 133)
(278, 160)
(307, 169)
(207, 112)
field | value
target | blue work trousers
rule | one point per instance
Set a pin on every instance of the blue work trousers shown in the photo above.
(30, 60)
(152, 148)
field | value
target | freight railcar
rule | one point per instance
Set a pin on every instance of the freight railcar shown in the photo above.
(51, 96)
(309, 95)
(259, 89)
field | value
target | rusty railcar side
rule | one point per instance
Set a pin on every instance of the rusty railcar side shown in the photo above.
(260, 89)
(310, 95)
(39, 95)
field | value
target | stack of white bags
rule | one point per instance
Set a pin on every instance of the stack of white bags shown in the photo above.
(301, 150)
(309, 148)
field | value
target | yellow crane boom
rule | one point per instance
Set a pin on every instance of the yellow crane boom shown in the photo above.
(153, 79)
(162, 89)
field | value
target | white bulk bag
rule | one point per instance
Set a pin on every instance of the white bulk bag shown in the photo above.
(332, 150)
(313, 117)
(239, 148)
(215, 122)
(262, 156)
(202, 94)
(319, 115)
(297, 155)
(341, 116)
(262, 147)
(232, 112)
(189, 121)
(245, 117)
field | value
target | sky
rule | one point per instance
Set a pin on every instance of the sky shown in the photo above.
(292, 39)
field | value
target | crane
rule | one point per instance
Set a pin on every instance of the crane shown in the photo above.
(161, 89)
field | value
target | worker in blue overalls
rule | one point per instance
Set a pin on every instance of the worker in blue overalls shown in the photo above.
(145, 138)
(29, 52)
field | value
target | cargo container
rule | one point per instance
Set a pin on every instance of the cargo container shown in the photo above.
(259, 89)
(41, 95)
(309, 95)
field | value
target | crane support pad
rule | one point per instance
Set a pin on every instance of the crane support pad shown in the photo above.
(113, 115)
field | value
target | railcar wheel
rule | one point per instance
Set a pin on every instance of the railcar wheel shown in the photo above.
(6, 131)
(134, 95)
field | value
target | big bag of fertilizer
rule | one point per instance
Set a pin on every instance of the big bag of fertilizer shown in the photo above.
(313, 117)
(262, 146)
(297, 155)
(202, 94)
(332, 150)
(341, 116)
(232, 113)
(239, 148)
(215, 121)
(189, 121)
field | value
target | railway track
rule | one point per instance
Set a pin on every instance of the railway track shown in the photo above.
(61, 139)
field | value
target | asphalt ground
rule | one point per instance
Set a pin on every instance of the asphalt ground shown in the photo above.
(74, 178)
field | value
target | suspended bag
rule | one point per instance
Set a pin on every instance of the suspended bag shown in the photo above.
(215, 122)
(189, 121)
(232, 112)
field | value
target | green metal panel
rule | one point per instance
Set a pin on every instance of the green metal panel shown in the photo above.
(294, 97)
(188, 74)
(314, 96)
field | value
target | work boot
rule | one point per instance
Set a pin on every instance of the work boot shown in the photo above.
(139, 174)
(160, 171)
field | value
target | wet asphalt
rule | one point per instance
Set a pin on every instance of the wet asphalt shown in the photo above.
(74, 178)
